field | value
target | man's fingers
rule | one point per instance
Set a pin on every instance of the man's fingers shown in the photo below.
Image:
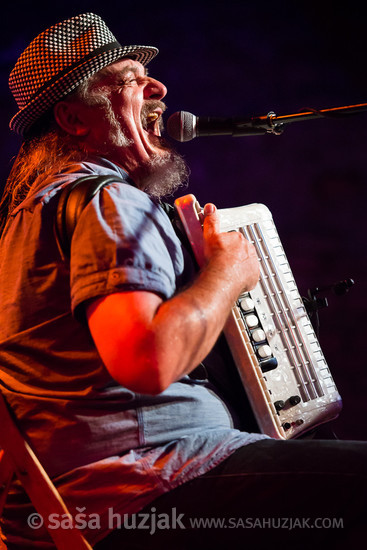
(211, 220)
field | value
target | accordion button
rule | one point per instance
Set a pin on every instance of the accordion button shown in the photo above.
(246, 304)
(299, 422)
(258, 335)
(294, 400)
(264, 351)
(252, 321)
(268, 364)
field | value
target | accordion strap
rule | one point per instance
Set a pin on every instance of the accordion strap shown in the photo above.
(73, 199)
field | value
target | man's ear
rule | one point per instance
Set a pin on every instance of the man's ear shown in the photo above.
(69, 117)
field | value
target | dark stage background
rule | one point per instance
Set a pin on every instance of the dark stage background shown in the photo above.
(247, 58)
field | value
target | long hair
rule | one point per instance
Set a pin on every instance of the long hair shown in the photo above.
(46, 149)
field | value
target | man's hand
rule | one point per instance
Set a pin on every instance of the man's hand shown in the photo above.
(230, 252)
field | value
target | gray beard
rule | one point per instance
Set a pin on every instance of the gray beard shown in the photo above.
(164, 174)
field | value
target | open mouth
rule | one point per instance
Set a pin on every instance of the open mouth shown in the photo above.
(151, 117)
(153, 123)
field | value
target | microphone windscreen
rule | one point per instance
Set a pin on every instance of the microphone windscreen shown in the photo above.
(181, 126)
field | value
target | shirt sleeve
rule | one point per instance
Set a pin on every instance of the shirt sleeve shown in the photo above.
(123, 241)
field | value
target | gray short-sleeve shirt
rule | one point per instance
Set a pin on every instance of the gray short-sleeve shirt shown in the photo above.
(108, 448)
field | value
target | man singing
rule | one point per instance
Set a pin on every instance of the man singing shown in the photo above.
(100, 346)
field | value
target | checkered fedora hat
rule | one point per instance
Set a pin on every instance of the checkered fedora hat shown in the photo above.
(61, 58)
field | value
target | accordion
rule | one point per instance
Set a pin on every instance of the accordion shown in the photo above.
(269, 333)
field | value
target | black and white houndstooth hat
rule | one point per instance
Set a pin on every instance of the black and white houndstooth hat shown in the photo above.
(61, 58)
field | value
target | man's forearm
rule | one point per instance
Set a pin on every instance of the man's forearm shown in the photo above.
(187, 326)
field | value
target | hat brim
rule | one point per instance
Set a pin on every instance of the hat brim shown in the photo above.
(28, 115)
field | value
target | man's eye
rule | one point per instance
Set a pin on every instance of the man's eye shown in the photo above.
(131, 81)
(127, 82)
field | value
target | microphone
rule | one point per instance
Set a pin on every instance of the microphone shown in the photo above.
(184, 126)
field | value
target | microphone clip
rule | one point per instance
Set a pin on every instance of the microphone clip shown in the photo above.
(258, 126)
(272, 126)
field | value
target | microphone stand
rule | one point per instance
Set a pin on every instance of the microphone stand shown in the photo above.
(273, 124)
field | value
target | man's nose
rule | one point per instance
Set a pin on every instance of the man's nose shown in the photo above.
(154, 89)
